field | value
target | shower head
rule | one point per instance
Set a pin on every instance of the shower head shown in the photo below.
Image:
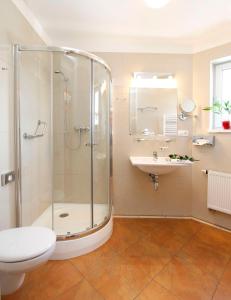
(61, 73)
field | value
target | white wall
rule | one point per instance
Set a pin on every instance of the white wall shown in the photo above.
(216, 158)
(13, 29)
(7, 207)
(133, 192)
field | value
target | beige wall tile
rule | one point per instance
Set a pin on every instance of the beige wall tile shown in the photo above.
(133, 193)
(215, 158)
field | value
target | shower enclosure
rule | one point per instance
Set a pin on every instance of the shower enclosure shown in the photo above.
(63, 141)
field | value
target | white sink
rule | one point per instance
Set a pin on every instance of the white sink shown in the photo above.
(159, 166)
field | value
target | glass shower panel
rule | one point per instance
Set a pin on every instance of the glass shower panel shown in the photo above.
(72, 151)
(101, 143)
(36, 137)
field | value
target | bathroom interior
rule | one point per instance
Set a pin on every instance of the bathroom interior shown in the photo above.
(115, 161)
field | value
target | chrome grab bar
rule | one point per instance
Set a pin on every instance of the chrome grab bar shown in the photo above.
(91, 144)
(81, 129)
(36, 133)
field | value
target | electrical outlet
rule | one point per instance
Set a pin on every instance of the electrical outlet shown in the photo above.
(183, 132)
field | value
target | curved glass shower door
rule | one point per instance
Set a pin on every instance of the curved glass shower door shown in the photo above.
(63, 142)
(72, 151)
(101, 143)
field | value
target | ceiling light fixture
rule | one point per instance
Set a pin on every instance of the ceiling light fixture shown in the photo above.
(156, 3)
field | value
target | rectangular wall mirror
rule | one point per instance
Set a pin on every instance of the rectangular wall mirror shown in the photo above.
(153, 111)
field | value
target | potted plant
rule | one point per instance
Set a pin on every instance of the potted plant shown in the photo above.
(222, 109)
(226, 116)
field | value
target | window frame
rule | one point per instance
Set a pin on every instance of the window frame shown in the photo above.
(213, 89)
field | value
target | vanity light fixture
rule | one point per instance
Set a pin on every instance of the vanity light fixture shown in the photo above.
(149, 80)
(156, 3)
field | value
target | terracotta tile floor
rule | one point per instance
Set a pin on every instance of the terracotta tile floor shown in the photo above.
(146, 259)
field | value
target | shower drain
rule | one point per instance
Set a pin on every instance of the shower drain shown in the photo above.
(63, 215)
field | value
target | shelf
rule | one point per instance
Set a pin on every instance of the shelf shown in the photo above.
(219, 131)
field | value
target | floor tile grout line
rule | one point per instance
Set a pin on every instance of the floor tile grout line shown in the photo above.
(219, 281)
(157, 228)
(146, 285)
(192, 237)
(165, 265)
(153, 279)
(207, 245)
(121, 253)
(84, 278)
(187, 242)
(175, 295)
(191, 234)
(64, 292)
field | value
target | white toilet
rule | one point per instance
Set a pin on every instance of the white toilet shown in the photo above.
(21, 250)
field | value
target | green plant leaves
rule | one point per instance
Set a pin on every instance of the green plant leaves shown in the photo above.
(182, 157)
(219, 108)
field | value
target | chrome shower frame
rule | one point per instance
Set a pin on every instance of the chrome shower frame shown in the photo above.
(17, 49)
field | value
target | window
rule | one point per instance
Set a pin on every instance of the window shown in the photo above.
(220, 89)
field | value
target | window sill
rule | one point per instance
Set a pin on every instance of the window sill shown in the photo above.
(219, 131)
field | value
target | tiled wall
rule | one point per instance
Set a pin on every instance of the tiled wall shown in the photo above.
(36, 154)
(133, 193)
(7, 206)
(216, 158)
(13, 29)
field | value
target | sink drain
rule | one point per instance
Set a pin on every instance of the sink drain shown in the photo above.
(64, 215)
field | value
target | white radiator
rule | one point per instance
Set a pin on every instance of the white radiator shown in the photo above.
(219, 191)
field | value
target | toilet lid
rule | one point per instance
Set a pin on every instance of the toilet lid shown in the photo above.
(24, 243)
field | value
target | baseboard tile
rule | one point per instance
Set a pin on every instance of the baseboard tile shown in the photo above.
(172, 217)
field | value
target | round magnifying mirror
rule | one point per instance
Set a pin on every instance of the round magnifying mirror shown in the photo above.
(188, 106)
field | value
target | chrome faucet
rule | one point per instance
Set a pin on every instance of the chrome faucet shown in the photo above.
(155, 155)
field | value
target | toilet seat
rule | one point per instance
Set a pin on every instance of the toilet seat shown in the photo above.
(25, 243)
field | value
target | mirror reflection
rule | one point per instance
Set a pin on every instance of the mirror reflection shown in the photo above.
(188, 106)
(153, 111)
